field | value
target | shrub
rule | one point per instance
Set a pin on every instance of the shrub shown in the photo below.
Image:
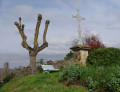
(100, 78)
(40, 62)
(21, 71)
(8, 78)
(94, 43)
(93, 40)
(1, 84)
(50, 62)
(69, 56)
(104, 57)
(39, 69)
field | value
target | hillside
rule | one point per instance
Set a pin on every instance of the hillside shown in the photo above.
(39, 83)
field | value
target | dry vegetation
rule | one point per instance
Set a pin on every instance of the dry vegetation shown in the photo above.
(61, 63)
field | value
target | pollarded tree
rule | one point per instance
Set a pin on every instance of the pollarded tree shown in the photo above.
(33, 51)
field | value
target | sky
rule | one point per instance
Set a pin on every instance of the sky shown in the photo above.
(102, 17)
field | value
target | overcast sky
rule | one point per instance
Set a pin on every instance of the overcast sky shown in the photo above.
(102, 16)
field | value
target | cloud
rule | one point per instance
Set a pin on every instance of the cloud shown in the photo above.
(76, 3)
(109, 44)
(22, 10)
(115, 2)
(112, 44)
(0, 2)
(113, 28)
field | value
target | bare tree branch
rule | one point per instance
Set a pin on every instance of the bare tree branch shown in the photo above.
(37, 30)
(21, 31)
(20, 21)
(45, 30)
(44, 45)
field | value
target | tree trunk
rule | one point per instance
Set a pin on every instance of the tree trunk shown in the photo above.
(33, 63)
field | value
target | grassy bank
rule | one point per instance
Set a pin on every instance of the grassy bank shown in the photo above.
(39, 83)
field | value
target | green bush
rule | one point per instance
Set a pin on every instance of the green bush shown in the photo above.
(1, 84)
(104, 57)
(69, 55)
(100, 78)
(40, 62)
(8, 78)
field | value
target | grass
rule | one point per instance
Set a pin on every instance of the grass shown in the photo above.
(39, 83)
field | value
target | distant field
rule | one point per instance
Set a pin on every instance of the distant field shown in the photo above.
(39, 83)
